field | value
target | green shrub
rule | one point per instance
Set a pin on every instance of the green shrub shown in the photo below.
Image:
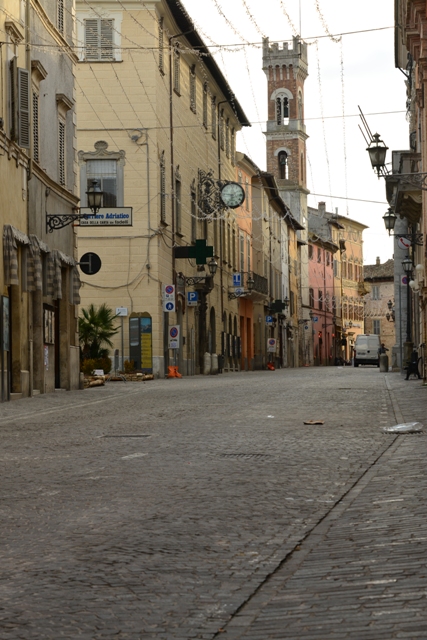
(129, 366)
(88, 365)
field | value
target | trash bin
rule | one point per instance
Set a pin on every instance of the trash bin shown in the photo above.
(221, 362)
(383, 363)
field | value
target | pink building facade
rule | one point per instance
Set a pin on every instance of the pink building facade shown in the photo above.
(322, 300)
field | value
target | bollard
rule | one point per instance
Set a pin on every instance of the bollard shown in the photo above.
(383, 363)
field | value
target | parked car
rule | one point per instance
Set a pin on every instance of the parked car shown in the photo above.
(366, 350)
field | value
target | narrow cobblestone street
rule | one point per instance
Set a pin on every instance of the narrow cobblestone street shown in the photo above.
(205, 508)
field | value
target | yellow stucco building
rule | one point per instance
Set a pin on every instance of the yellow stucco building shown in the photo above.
(157, 130)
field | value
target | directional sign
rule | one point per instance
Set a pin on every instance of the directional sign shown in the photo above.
(268, 320)
(90, 263)
(315, 319)
(271, 345)
(168, 305)
(237, 279)
(121, 311)
(192, 298)
(174, 337)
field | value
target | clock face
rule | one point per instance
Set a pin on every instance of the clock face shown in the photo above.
(232, 195)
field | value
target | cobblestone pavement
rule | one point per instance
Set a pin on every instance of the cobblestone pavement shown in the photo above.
(226, 518)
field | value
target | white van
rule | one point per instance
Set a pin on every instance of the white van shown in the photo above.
(366, 350)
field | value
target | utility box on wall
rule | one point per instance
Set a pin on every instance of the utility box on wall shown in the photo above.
(140, 341)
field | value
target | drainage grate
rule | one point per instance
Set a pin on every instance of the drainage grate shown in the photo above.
(133, 435)
(246, 456)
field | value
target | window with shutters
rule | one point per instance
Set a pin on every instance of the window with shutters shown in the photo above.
(161, 47)
(178, 202)
(60, 15)
(177, 70)
(227, 138)
(221, 130)
(248, 253)
(320, 299)
(205, 105)
(242, 253)
(311, 298)
(193, 88)
(233, 147)
(213, 117)
(19, 105)
(162, 188)
(61, 152)
(99, 39)
(193, 211)
(36, 148)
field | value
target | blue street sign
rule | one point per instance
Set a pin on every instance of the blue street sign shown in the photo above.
(170, 306)
(192, 298)
(237, 279)
(315, 319)
(269, 319)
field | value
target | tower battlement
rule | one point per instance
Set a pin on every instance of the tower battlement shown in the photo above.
(275, 55)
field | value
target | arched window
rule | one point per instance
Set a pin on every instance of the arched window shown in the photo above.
(283, 165)
(282, 109)
(300, 104)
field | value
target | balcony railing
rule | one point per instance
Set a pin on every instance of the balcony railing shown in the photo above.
(260, 284)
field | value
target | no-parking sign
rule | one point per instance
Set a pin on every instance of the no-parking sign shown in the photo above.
(174, 337)
(271, 345)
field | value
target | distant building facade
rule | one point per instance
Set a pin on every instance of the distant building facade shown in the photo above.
(379, 313)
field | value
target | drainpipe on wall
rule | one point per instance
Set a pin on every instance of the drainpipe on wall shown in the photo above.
(222, 222)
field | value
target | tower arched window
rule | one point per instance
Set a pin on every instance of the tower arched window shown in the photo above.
(282, 109)
(300, 110)
(283, 165)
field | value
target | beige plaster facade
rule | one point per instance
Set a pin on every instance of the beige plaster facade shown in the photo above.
(167, 120)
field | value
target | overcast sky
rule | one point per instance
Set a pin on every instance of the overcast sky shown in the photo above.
(338, 166)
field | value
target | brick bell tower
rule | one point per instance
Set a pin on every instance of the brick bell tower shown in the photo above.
(286, 70)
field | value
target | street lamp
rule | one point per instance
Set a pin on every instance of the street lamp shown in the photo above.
(61, 220)
(286, 302)
(377, 152)
(212, 266)
(407, 268)
(94, 197)
(389, 220)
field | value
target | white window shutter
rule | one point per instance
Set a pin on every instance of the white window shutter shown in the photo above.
(106, 41)
(13, 100)
(91, 39)
(24, 108)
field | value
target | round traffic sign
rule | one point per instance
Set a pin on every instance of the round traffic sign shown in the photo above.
(173, 332)
(272, 342)
(169, 306)
(169, 288)
(90, 263)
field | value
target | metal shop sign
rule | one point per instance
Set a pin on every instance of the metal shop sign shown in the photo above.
(107, 217)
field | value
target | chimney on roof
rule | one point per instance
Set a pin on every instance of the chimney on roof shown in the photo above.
(378, 261)
(322, 209)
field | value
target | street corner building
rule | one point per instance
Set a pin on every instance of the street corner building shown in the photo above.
(39, 280)
(157, 132)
